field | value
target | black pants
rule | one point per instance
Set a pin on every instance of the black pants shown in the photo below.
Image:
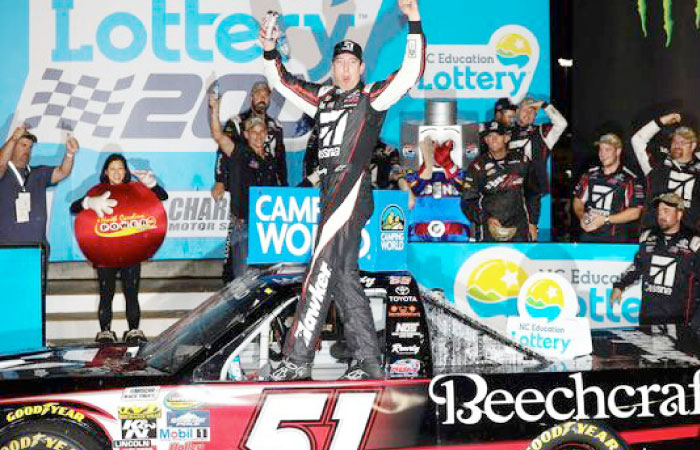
(332, 276)
(107, 278)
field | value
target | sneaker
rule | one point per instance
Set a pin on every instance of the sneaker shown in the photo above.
(134, 337)
(363, 369)
(290, 371)
(106, 337)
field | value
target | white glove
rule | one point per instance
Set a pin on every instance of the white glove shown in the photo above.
(146, 177)
(101, 204)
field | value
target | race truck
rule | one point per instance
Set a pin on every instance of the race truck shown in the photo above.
(451, 383)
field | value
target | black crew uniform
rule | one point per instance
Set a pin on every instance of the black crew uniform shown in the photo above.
(244, 169)
(610, 194)
(348, 124)
(274, 146)
(505, 189)
(669, 266)
(663, 175)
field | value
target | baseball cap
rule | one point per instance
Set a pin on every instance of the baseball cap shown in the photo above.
(348, 46)
(253, 121)
(494, 127)
(260, 85)
(504, 103)
(672, 199)
(611, 139)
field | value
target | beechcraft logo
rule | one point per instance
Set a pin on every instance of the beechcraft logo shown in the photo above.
(663, 271)
(602, 197)
(683, 185)
(668, 16)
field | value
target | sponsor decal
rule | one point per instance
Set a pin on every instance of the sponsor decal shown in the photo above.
(407, 330)
(400, 349)
(183, 434)
(150, 411)
(403, 311)
(124, 225)
(133, 444)
(392, 226)
(547, 324)
(368, 282)
(139, 393)
(139, 429)
(503, 67)
(188, 419)
(195, 214)
(474, 402)
(53, 409)
(177, 401)
(662, 275)
(37, 439)
(404, 368)
(402, 290)
(403, 299)
(315, 295)
(396, 279)
(186, 446)
(668, 17)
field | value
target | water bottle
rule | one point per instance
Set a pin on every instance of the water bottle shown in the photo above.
(274, 20)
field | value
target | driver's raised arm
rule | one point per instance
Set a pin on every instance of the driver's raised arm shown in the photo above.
(303, 94)
(385, 93)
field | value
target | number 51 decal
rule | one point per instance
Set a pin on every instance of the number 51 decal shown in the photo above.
(313, 420)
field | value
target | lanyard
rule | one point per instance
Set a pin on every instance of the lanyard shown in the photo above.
(18, 175)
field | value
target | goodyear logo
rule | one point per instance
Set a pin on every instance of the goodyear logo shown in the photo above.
(150, 411)
(53, 409)
(37, 440)
(544, 299)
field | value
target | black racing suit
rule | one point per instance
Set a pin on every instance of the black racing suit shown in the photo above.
(666, 175)
(504, 189)
(348, 123)
(669, 266)
(610, 194)
(536, 142)
(274, 146)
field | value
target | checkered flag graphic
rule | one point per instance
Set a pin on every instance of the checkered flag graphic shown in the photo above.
(86, 106)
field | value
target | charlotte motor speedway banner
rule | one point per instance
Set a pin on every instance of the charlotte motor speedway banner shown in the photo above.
(131, 76)
(483, 280)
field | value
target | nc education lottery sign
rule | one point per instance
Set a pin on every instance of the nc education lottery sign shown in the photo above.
(283, 226)
(484, 280)
(131, 76)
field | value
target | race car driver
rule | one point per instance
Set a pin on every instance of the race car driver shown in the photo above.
(608, 199)
(500, 196)
(349, 115)
(668, 262)
(670, 170)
